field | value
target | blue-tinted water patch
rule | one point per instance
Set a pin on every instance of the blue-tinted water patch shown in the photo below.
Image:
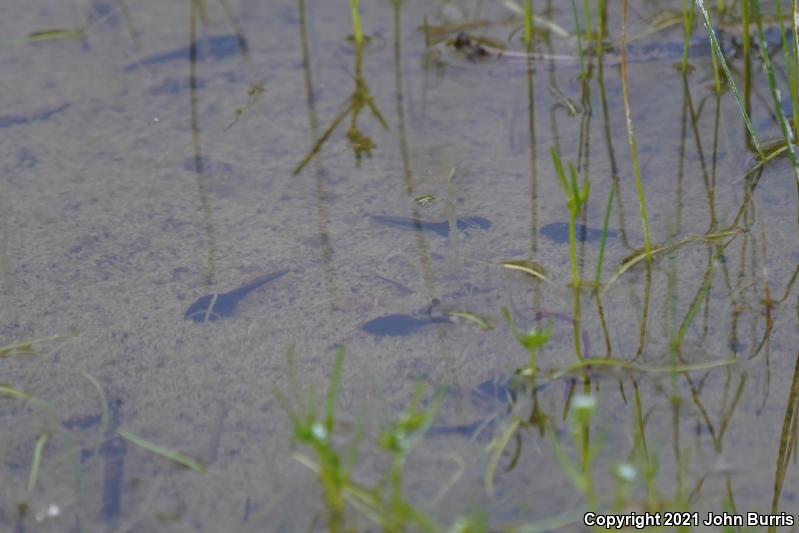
(175, 86)
(82, 422)
(737, 346)
(439, 228)
(101, 11)
(206, 165)
(558, 232)
(26, 158)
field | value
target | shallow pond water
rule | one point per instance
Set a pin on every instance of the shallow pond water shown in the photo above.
(172, 226)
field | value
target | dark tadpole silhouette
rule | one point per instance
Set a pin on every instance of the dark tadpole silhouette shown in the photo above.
(218, 306)
(439, 228)
(214, 47)
(8, 121)
(399, 325)
(559, 232)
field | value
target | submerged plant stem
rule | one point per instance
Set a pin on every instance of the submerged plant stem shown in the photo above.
(639, 188)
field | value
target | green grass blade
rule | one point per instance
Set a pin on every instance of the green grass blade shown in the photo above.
(56, 34)
(496, 454)
(177, 457)
(356, 22)
(41, 440)
(26, 347)
(714, 43)
(578, 33)
(604, 237)
(787, 133)
(580, 366)
(694, 308)
(7, 391)
(332, 391)
(625, 86)
(528, 23)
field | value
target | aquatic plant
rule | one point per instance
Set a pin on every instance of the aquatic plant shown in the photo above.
(385, 504)
(314, 430)
(532, 341)
(357, 30)
(528, 23)
(788, 133)
(398, 439)
(579, 34)
(576, 200)
(687, 27)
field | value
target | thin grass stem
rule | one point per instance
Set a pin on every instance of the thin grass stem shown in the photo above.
(357, 30)
(578, 33)
(528, 23)
(36, 463)
(176, 457)
(714, 43)
(787, 132)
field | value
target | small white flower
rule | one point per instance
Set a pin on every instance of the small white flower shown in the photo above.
(318, 431)
(51, 511)
(583, 402)
(626, 472)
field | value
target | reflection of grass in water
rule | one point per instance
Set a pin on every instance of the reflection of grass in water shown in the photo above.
(66, 448)
(360, 99)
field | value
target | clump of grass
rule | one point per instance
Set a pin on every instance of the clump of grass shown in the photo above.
(787, 130)
(398, 439)
(714, 43)
(385, 505)
(576, 199)
(314, 430)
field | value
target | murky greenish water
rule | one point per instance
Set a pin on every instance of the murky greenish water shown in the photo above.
(140, 175)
